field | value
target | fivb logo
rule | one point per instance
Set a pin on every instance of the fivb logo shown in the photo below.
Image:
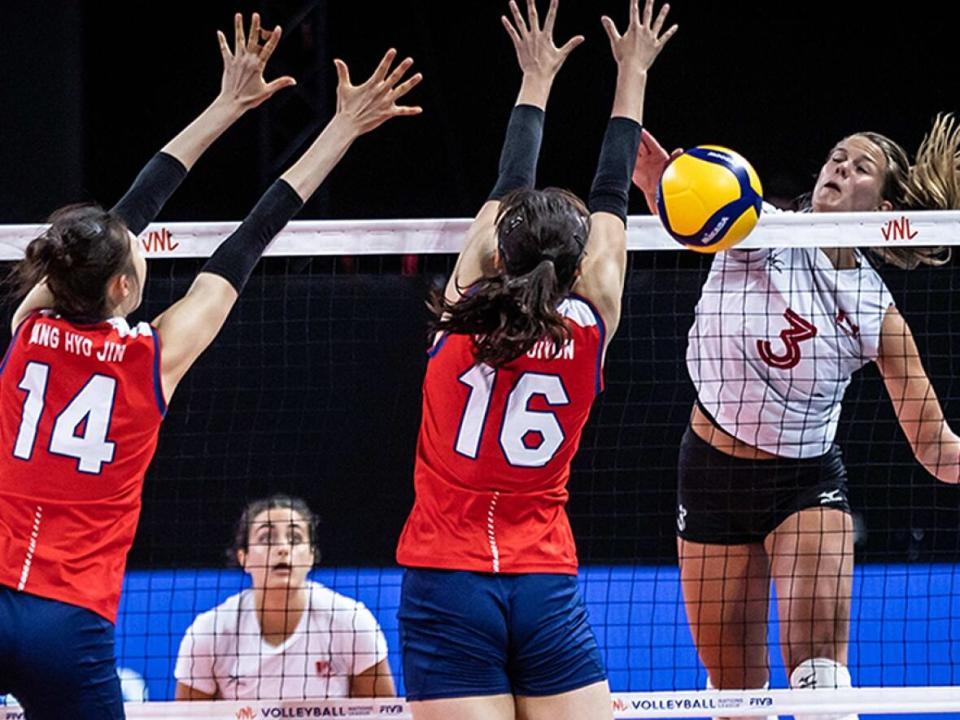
(158, 241)
(619, 705)
(245, 713)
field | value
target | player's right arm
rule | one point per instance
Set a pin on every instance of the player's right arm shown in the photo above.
(188, 327)
(603, 267)
(540, 60)
(915, 402)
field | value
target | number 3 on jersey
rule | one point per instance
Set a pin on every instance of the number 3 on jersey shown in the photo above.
(518, 422)
(92, 406)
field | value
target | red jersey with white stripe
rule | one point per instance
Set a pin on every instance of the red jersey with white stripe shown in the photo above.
(494, 452)
(80, 408)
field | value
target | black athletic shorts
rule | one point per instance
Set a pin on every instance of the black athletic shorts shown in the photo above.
(723, 500)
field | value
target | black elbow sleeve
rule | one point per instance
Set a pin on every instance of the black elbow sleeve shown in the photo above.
(158, 180)
(611, 185)
(521, 149)
(236, 257)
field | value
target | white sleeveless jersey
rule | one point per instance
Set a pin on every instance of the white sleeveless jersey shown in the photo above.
(776, 338)
(224, 654)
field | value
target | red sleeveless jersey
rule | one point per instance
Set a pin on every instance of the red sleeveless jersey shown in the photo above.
(80, 408)
(494, 452)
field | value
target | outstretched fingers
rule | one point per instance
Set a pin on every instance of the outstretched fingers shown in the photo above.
(661, 18)
(273, 39)
(399, 71)
(570, 44)
(343, 73)
(381, 72)
(522, 29)
(239, 41)
(551, 18)
(253, 40)
(532, 15)
(612, 31)
(511, 31)
(224, 46)
(279, 84)
(403, 88)
(395, 91)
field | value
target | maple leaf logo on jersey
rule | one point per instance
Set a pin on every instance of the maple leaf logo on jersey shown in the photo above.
(846, 325)
(323, 667)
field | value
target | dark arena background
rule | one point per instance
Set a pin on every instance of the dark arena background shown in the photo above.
(313, 388)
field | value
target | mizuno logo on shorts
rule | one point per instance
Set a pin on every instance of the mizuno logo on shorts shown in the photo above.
(830, 496)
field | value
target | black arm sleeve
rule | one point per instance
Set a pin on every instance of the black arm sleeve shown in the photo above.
(150, 191)
(236, 257)
(521, 148)
(611, 185)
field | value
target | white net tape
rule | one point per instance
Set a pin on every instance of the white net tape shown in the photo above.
(758, 703)
(426, 236)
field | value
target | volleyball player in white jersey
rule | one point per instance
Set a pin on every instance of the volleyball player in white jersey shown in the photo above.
(762, 486)
(286, 637)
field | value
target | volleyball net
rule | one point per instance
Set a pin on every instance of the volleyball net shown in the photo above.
(313, 389)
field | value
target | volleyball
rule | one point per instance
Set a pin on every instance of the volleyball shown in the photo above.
(709, 198)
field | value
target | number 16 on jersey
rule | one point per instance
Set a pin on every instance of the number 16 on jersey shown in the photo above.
(528, 438)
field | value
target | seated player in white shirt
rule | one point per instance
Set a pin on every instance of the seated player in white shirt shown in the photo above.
(286, 637)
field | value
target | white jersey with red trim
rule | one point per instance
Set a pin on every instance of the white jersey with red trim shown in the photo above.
(224, 654)
(776, 338)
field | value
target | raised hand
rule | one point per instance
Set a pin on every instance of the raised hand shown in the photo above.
(643, 39)
(369, 105)
(243, 82)
(536, 52)
(651, 161)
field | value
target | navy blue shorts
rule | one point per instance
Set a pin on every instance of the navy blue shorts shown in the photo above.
(57, 659)
(466, 634)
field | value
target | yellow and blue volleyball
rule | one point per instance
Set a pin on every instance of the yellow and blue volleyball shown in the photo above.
(709, 198)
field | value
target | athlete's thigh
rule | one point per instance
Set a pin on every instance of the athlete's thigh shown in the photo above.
(453, 633)
(592, 701)
(726, 591)
(553, 649)
(68, 664)
(811, 554)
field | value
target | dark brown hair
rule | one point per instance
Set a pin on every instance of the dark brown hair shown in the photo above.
(82, 249)
(241, 532)
(540, 236)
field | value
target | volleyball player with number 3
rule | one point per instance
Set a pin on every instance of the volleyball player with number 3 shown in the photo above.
(82, 393)
(492, 622)
(777, 337)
